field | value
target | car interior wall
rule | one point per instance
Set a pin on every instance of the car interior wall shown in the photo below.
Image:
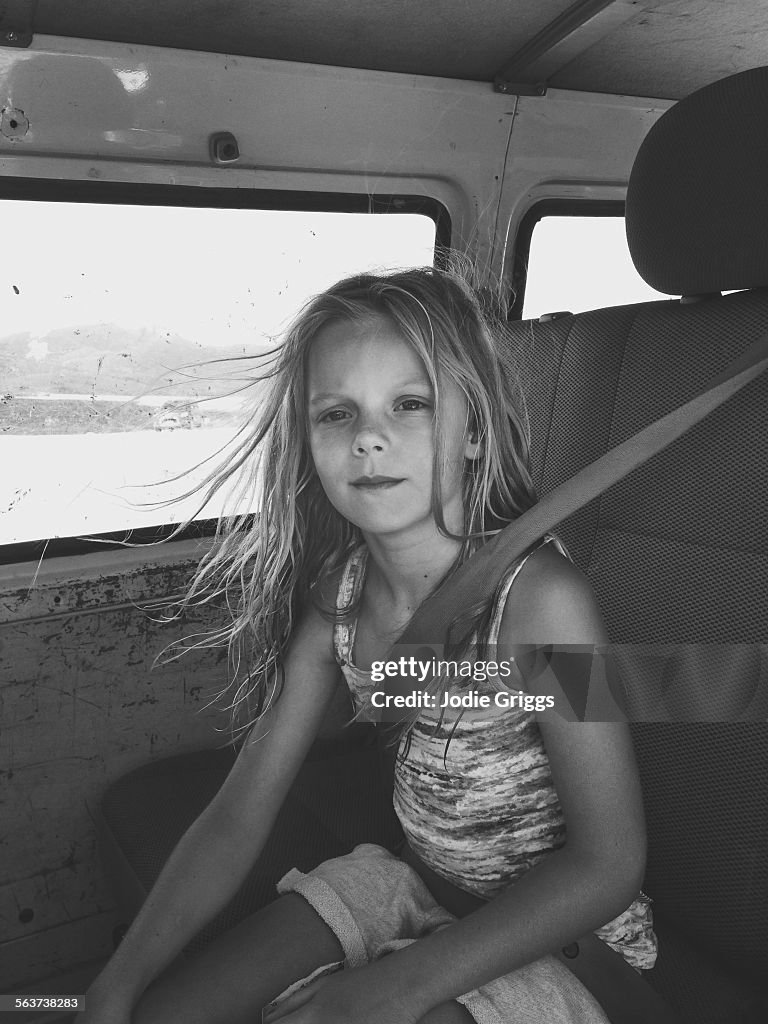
(81, 704)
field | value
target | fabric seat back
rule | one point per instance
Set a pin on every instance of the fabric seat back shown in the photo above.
(678, 551)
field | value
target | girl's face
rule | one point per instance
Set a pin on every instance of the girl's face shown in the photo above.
(371, 429)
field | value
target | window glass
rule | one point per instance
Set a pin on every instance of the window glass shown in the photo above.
(579, 263)
(104, 306)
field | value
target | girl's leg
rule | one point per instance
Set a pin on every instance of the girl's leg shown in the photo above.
(448, 1013)
(243, 969)
(248, 966)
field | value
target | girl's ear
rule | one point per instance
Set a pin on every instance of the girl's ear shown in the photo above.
(473, 449)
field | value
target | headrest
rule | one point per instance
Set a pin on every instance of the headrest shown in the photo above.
(697, 202)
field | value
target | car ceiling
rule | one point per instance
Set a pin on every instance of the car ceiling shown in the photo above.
(654, 48)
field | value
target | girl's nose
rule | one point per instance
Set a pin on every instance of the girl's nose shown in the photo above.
(367, 440)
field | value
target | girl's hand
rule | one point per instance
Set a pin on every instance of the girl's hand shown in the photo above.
(351, 996)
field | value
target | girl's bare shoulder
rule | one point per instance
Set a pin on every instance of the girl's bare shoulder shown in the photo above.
(551, 601)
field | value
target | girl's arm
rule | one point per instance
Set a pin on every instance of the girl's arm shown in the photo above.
(569, 893)
(214, 856)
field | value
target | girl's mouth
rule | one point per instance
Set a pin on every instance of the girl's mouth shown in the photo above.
(375, 483)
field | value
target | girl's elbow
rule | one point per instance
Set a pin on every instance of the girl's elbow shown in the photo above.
(629, 884)
(614, 874)
(622, 874)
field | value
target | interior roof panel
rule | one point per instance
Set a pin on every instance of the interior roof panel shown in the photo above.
(673, 50)
(664, 48)
(451, 39)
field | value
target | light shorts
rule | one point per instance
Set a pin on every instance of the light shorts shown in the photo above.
(374, 903)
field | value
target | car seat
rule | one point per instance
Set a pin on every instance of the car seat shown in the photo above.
(678, 551)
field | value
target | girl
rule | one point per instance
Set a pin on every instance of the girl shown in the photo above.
(392, 449)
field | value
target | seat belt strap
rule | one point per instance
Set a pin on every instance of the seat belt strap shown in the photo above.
(479, 576)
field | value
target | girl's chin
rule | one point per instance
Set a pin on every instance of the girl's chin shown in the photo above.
(392, 515)
(383, 524)
(421, 530)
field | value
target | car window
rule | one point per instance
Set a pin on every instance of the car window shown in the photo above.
(109, 310)
(576, 263)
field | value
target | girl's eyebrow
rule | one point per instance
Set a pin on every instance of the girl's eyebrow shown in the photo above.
(326, 397)
(329, 396)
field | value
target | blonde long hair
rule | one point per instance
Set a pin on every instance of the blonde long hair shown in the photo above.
(268, 567)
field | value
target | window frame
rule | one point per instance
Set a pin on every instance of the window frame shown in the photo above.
(207, 197)
(522, 248)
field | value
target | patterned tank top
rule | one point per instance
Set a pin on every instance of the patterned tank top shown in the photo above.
(485, 812)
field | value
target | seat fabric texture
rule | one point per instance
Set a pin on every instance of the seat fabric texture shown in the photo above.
(677, 552)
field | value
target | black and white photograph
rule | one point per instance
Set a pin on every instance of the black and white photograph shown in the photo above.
(384, 512)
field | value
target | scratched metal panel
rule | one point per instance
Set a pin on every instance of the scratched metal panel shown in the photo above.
(80, 705)
(93, 582)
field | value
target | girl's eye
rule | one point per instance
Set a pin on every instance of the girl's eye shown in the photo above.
(412, 404)
(333, 416)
